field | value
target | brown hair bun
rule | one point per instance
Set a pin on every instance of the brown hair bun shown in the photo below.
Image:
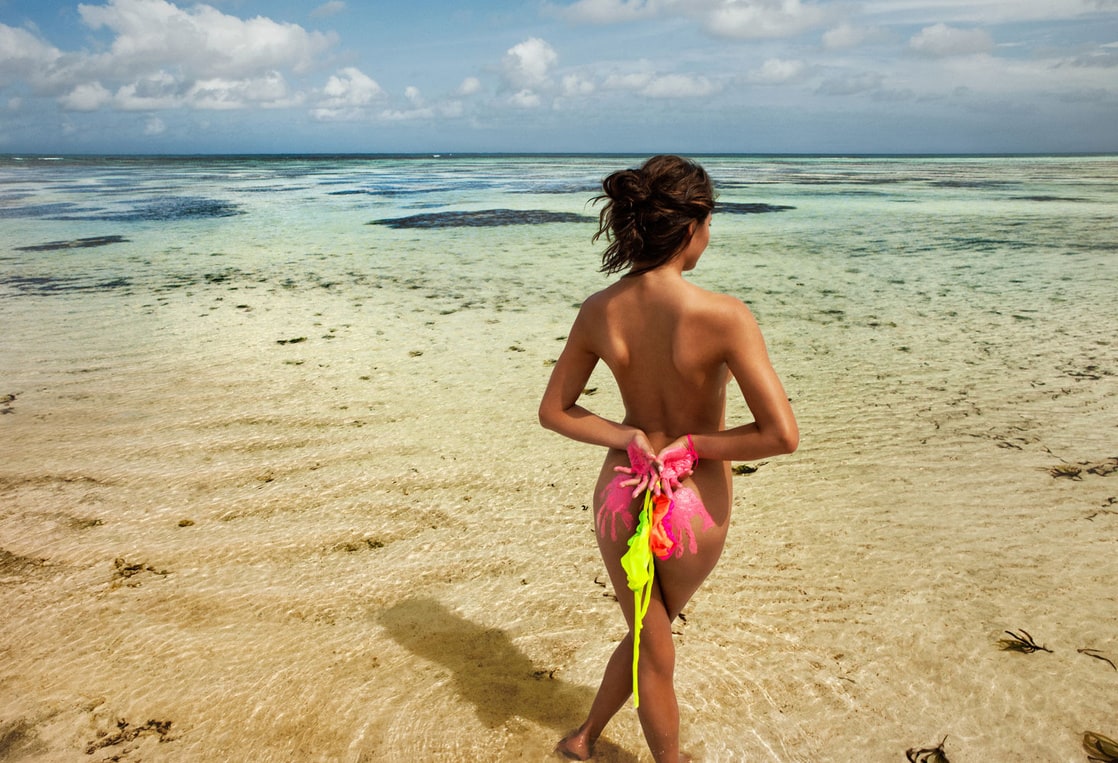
(649, 211)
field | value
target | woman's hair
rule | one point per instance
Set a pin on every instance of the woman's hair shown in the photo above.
(648, 212)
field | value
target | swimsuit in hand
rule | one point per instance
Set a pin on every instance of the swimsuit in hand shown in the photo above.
(663, 525)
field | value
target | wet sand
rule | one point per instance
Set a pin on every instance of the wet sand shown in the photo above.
(247, 522)
(272, 486)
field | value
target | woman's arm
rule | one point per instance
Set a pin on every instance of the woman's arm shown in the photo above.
(559, 409)
(773, 431)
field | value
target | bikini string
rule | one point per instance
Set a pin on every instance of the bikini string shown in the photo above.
(642, 597)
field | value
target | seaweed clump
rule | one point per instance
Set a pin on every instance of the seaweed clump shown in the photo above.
(1021, 642)
(77, 243)
(928, 754)
(126, 732)
(1100, 749)
(1103, 468)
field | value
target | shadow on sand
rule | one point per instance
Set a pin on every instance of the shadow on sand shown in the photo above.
(491, 673)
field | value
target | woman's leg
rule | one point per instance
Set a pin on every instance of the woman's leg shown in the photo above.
(675, 581)
(617, 681)
(614, 691)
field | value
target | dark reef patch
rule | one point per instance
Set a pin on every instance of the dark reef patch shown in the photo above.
(390, 192)
(737, 208)
(561, 188)
(77, 243)
(975, 184)
(50, 285)
(488, 218)
(39, 210)
(275, 189)
(167, 210)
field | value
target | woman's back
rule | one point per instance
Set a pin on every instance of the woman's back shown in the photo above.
(661, 338)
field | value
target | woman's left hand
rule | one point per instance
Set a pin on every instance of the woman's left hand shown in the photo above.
(675, 463)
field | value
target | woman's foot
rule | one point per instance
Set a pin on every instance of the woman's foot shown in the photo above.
(575, 746)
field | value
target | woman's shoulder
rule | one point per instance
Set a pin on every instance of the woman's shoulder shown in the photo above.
(602, 299)
(596, 302)
(625, 296)
(718, 306)
(595, 309)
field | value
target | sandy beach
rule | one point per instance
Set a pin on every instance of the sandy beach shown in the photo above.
(302, 511)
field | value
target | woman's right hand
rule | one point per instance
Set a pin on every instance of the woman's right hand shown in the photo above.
(643, 464)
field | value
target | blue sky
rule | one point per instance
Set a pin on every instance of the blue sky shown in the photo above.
(691, 76)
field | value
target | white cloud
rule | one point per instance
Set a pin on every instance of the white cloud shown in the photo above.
(982, 11)
(941, 40)
(525, 99)
(21, 45)
(161, 56)
(267, 91)
(777, 71)
(155, 126)
(609, 11)
(347, 95)
(679, 86)
(447, 110)
(843, 36)
(406, 115)
(737, 19)
(528, 65)
(200, 42)
(756, 19)
(162, 91)
(86, 97)
(652, 85)
(629, 81)
(846, 36)
(352, 88)
(22, 54)
(332, 8)
(469, 86)
(575, 85)
(159, 90)
(150, 56)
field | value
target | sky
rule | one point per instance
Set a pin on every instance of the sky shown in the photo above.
(621, 76)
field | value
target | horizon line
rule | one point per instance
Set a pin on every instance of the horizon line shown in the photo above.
(57, 156)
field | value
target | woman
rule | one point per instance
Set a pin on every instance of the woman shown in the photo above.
(672, 348)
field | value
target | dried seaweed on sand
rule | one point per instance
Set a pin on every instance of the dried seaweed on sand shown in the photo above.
(928, 754)
(1098, 656)
(1021, 642)
(1100, 749)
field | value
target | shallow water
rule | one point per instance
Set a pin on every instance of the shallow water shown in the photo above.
(311, 443)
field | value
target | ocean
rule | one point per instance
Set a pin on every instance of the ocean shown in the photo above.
(273, 486)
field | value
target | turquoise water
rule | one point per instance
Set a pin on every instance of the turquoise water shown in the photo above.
(1011, 235)
(296, 397)
(868, 262)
